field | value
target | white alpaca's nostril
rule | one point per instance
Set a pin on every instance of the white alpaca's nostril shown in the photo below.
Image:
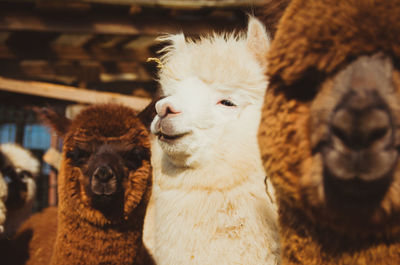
(165, 108)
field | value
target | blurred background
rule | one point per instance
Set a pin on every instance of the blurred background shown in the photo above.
(66, 54)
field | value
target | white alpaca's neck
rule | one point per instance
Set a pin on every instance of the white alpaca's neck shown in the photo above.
(221, 208)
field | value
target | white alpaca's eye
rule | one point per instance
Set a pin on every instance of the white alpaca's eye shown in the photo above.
(227, 102)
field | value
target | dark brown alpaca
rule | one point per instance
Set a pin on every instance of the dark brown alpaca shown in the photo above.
(329, 134)
(104, 188)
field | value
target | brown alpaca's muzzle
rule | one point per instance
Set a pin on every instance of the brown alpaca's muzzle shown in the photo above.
(361, 157)
(359, 153)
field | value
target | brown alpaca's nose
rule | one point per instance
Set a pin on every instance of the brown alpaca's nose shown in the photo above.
(361, 145)
(362, 121)
(103, 174)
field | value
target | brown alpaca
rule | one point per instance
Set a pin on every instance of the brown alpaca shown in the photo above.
(329, 134)
(104, 188)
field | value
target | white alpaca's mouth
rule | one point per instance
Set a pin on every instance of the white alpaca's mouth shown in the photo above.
(170, 138)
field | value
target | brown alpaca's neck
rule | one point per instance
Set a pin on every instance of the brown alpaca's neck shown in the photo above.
(80, 242)
(304, 242)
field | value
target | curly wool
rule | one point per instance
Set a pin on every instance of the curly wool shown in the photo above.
(315, 40)
(329, 35)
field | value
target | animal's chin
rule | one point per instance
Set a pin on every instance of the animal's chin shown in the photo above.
(354, 196)
(107, 204)
(101, 199)
(354, 204)
(357, 181)
(104, 196)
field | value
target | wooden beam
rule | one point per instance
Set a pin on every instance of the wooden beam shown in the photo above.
(74, 71)
(74, 53)
(70, 93)
(113, 24)
(182, 4)
(72, 39)
(16, 20)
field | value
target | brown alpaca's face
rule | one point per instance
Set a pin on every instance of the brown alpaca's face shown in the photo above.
(339, 149)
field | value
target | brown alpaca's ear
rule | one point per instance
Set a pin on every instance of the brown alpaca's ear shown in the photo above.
(258, 41)
(271, 12)
(52, 119)
(147, 115)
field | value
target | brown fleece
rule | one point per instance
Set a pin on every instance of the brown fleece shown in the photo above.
(315, 40)
(271, 12)
(324, 36)
(86, 235)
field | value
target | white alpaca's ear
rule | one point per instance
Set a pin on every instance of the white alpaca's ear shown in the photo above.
(177, 42)
(258, 41)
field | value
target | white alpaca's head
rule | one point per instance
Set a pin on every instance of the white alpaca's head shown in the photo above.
(26, 166)
(212, 92)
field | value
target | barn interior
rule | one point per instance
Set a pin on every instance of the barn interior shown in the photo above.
(68, 54)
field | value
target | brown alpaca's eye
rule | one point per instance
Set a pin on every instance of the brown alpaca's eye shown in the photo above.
(227, 102)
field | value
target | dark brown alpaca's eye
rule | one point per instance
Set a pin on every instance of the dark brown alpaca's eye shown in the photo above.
(135, 157)
(78, 156)
(227, 102)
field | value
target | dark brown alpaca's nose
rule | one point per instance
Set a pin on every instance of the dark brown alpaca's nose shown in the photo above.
(104, 181)
(103, 174)
(361, 121)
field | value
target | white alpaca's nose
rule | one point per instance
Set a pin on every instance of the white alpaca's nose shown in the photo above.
(165, 108)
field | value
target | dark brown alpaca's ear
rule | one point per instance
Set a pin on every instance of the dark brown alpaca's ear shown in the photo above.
(271, 12)
(147, 115)
(52, 119)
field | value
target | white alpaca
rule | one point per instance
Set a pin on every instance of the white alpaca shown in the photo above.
(209, 205)
(27, 167)
(3, 198)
